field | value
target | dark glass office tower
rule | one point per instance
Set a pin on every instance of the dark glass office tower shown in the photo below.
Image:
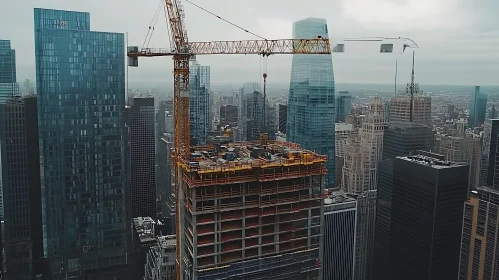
(400, 139)
(83, 145)
(142, 156)
(492, 176)
(428, 198)
(283, 118)
(19, 154)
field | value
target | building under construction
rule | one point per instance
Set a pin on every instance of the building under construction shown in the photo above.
(252, 211)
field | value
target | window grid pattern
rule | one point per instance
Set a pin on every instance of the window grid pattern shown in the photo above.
(17, 244)
(81, 90)
(142, 157)
(311, 100)
(199, 83)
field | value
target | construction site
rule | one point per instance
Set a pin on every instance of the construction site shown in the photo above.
(251, 210)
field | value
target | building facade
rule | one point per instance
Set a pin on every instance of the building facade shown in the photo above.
(7, 63)
(311, 101)
(400, 139)
(83, 146)
(478, 259)
(8, 81)
(161, 259)
(465, 150)
(343, 105)
(492, 143)
(364, 240)
(252, 220)
(199, 110)
(428, 198)
(341, 135)
(340, 224)
(283, 118)
(400, 109)
(364, 150)
(140, 115)
(165, 182)
(22, 238)
(255, 124)
(478, 108)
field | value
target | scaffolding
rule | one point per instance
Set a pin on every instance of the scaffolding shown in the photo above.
(264, 203)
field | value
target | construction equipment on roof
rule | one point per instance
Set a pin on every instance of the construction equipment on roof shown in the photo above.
(182, 52)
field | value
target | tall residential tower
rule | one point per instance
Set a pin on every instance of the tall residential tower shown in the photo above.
(478, 108)
(199, 83)
(311, 101)
(140, 115)
(81, 105)
(8, 82)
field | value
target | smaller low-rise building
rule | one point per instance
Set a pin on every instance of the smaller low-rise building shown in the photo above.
(161, 259)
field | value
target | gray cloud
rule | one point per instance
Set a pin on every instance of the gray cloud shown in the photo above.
(458, 39)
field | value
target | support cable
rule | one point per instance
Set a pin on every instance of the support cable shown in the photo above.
(152, 24)
(221, 18)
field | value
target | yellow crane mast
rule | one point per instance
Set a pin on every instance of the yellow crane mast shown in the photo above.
(182, 52)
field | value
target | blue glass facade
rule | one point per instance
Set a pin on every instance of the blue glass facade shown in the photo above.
(311, 102)
(478, 108)
(7, 62)
(343, 106)
(80, 77)
(199, 83)
(8, 83)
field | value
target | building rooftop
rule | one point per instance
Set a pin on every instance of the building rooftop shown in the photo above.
(167, 241)
(248, 155)
(339, 197)
(343, 126)
(144, 226)
(431, 161)
(404, 125)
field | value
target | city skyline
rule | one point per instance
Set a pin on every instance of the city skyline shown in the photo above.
(454, 32)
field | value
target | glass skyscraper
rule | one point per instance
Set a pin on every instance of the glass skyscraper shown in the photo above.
(311, 102)
(8, 83)
(478, 108)
(199, 84)
(83, 144)
(343, 105)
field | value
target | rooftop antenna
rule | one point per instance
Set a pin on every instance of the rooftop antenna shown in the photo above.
(412, 88)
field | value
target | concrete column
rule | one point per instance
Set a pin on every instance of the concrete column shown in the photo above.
(243, 231)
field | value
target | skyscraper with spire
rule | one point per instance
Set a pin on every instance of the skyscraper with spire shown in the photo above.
(412, 105)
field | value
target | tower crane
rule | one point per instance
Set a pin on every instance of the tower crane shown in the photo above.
(182, 52)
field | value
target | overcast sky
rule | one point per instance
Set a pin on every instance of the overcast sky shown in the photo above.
(458, 39)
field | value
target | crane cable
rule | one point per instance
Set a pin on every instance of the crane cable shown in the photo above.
(227, 21)
(152, 25)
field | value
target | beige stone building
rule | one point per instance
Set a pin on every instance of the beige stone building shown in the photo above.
(400, 109)
(364, 150)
